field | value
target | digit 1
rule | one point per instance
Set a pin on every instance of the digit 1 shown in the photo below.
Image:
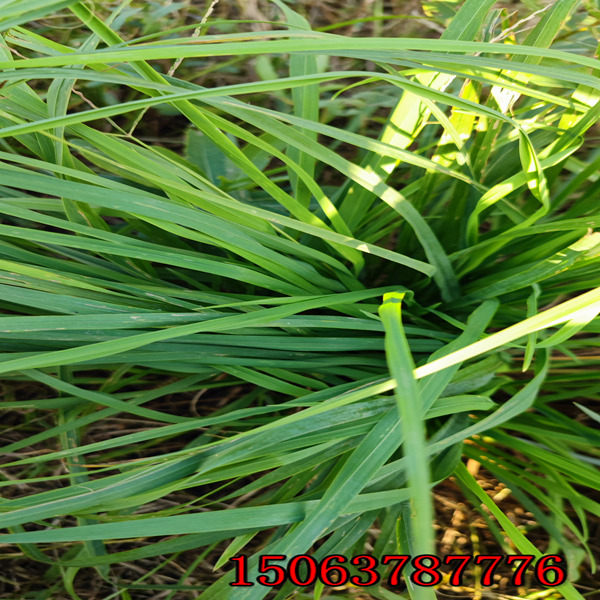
(241, 571)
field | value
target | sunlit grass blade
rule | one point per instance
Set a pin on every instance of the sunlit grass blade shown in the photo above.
(411, 413)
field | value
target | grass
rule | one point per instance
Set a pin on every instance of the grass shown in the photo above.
(269, 299)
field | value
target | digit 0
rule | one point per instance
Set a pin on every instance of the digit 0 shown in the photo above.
(294, 570)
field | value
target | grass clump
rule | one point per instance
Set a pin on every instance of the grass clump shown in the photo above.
(266, 286)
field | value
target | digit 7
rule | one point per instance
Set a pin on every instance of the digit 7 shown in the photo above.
(487, 579)
(518, 579)
(456, 578)
(402, 559)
